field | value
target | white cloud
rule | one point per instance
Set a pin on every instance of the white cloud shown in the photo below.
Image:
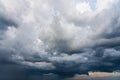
(40, 65)
(83, 7)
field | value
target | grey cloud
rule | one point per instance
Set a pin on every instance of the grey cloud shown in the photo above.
(58, 38)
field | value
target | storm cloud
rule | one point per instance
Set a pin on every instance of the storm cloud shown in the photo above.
(59, 37)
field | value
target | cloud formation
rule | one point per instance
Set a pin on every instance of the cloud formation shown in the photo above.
(63, 37)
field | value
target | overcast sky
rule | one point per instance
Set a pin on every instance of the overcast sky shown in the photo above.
(58, 38)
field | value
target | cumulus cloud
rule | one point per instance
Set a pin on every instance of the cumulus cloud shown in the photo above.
(61, 36)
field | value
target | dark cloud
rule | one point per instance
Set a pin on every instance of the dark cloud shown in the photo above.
(6, 22)
(18, 72)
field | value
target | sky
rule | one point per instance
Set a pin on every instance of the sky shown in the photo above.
(55, 39)
(97, 76)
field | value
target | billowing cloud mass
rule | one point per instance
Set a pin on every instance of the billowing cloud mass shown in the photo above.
(62, 37)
